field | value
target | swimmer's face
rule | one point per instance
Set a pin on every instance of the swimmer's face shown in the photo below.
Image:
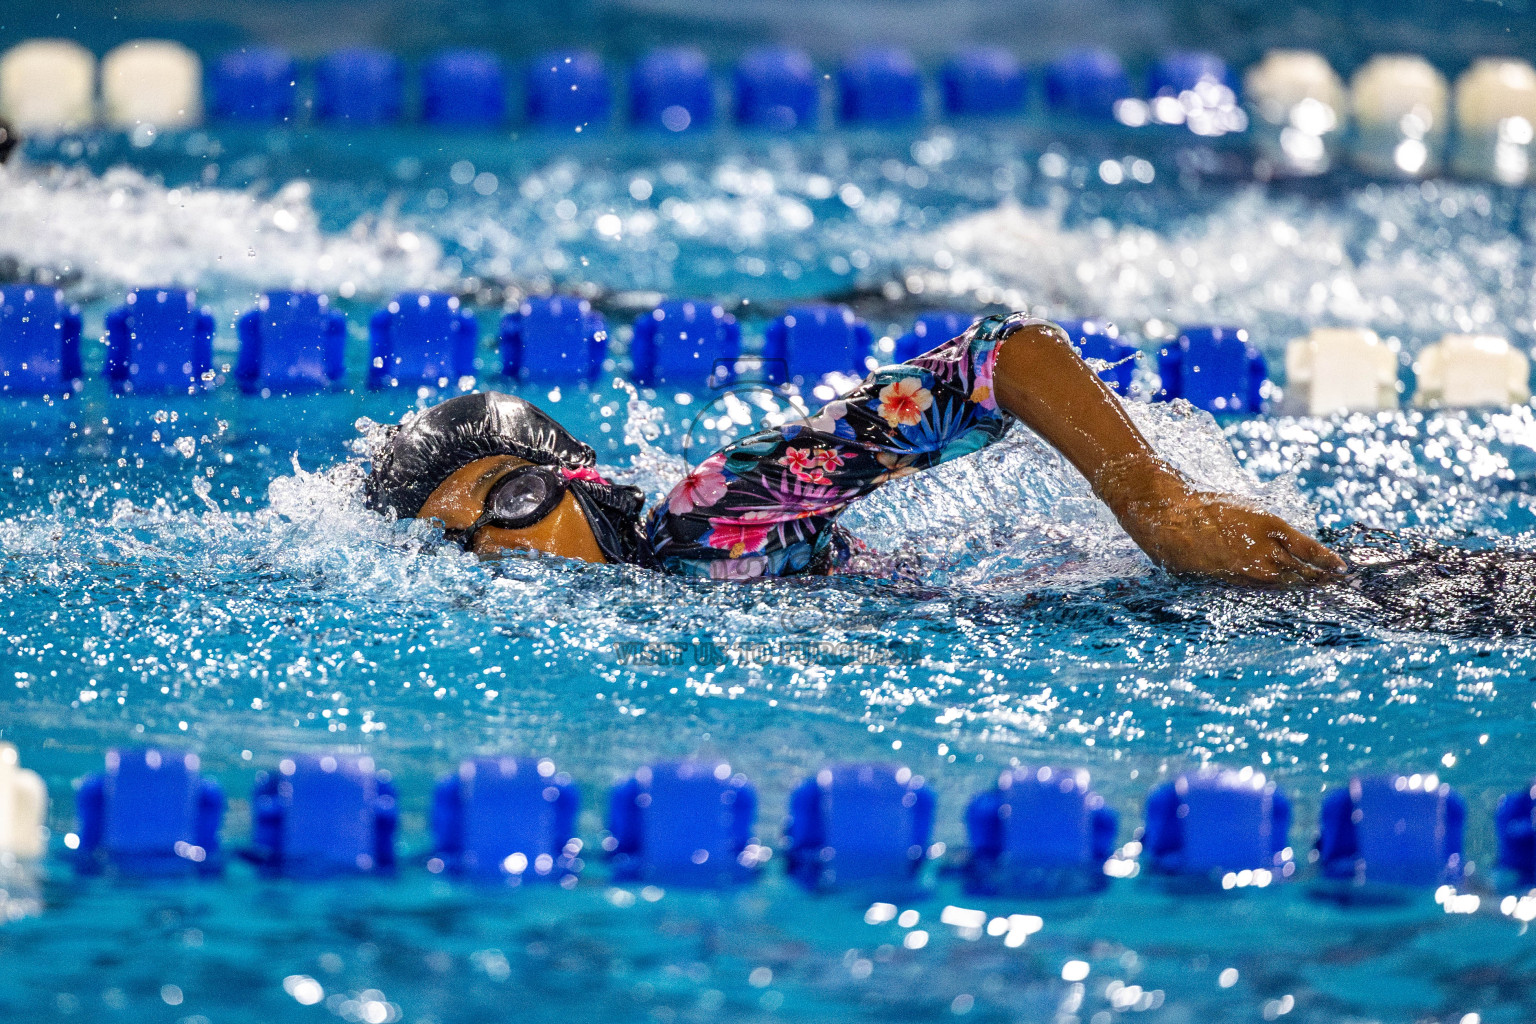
(460, 500)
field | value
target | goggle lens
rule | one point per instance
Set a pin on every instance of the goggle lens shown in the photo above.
(520, 497)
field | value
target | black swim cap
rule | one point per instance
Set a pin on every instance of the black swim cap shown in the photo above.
(428, 448)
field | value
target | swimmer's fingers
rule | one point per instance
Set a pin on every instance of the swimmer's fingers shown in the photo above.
(1275, 567)
(1279, 558)
(1292, 570)
(1309, 551)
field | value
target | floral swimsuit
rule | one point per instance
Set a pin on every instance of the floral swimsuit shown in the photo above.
(767, 505)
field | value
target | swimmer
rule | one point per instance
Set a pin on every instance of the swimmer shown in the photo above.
(8, 140)
(499, 475)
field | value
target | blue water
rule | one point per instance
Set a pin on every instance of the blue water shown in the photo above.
(201, 572)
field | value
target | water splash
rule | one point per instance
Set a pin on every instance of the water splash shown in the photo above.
(122, 229)
(1412, 260)
(1018, 515)
(651, 468)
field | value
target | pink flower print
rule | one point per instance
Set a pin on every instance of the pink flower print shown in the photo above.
(737, 537)
(805, 465)
(798, 460)
(699, 489)
(903, 402)
(981, 389)
(830, 459)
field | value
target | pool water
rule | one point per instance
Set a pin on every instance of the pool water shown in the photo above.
(201, 572)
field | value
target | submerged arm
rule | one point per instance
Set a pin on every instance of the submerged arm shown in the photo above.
(1041, 379)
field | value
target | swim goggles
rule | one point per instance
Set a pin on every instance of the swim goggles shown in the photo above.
(521, 498)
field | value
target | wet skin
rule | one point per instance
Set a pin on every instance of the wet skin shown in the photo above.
(459, 500)
(1041, 379)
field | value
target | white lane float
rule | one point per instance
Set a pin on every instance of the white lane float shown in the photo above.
(1299, 107)
(23, 806)
(48, 86)
(1340, 369)
(153, 82)
(1496, 120)
(1470, 371)
(1401, 108)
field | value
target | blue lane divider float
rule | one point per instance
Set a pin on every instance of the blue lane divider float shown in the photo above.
(324, 814)
(671, 89)
(683, 823)
(1039, 831)
(422, 338)
(39, 341)
(1216, 823)
(1403, 830)
(1180, 71)
(507, 818)
(1100, 339)
(555, 338)
(1087, 83)
(465, 88)
(983, 81)
(259, 85)
(1215, 369)
(150, 813)
(777, 89)
(859, 824)
(1515, 823)
(880, 85)
(931, 330)
(683, 344)
(808, 342)
(359, 86)
(1196, 90)
(568, 90)
(291, 341)
(159, 340)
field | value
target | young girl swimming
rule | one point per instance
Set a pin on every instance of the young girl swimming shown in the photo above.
(499, 475)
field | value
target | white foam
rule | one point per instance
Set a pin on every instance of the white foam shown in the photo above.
(23, 807)
(1274, 264)
(48, 85)
(152, 82)
(1468, 371)
(121, 229)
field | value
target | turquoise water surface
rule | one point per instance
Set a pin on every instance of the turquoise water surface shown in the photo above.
(200, 571)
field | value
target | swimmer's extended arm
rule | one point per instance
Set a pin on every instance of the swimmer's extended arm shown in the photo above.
(1041, 379)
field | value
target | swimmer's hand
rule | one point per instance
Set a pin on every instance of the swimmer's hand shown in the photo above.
(1205, 534)
(1040, 378)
